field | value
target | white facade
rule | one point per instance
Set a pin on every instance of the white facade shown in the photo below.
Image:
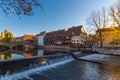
(41, 38)
(78, 39)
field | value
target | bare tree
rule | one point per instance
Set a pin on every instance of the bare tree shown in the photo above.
(19, 6)
(115, 13)
(97, 21)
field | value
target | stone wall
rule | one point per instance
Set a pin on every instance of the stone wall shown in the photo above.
(107, 51)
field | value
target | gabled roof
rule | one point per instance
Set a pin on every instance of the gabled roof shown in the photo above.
(42, 33)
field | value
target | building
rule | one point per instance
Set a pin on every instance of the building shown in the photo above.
(19, 39)
(78, 36)
(111, 37)
(72, 37)
(41, 38)
(29, 37)
(57, 38)
(26, 38)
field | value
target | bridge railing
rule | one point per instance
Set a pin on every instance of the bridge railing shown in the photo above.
(17, 42)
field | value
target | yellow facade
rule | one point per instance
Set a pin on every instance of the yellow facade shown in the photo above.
(29, 37)
(111, 37)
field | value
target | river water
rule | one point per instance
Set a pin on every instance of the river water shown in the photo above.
(67, 68)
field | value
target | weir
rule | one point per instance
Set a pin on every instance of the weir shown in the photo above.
(19, 65)
(16, 66)
(64, 67)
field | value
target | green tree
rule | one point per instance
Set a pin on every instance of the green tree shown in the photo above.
(8, 37)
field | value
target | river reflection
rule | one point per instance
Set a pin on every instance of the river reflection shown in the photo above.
(13, 55)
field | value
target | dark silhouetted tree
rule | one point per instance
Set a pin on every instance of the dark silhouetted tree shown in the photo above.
(115, 13)
(19, 7)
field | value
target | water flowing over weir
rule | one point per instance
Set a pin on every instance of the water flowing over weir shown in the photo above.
(17, 69)
(64, 67)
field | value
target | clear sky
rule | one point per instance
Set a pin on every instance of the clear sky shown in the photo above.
(57, 14)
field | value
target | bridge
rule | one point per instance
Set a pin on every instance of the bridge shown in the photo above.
(25, 44)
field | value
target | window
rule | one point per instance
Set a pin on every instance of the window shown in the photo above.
(81, 40)
(81, 36)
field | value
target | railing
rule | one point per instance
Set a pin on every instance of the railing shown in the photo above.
(18, 43)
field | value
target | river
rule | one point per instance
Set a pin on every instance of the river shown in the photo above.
(67, 68)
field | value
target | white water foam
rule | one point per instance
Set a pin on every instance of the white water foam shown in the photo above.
(95, 57)
(26, 74)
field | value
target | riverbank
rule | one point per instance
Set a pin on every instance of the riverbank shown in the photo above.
(64, 49)
(111, 51)
(107, 51)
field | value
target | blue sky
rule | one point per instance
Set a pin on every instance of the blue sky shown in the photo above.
(56, 14)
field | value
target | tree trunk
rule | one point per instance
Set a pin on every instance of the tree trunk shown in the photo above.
(101, 41)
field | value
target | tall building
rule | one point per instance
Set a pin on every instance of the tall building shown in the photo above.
(5, 32)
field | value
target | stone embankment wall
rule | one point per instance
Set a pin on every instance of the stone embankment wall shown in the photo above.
(58, 47)
(65, 48)
(107, 51)
(111, 51)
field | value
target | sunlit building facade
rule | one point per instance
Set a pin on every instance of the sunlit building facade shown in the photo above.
(111, 37)
(29, 37)
(26, 38)
(72, 37)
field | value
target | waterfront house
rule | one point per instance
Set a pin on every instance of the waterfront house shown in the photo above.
(71, 37)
